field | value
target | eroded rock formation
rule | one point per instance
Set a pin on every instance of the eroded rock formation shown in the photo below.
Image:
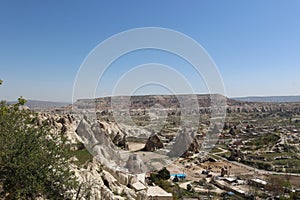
(153, 143)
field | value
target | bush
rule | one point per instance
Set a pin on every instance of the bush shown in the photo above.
(164, 174)
(189, 187)
(33, 161)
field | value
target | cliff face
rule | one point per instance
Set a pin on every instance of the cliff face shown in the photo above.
(171, 102)
(136, 102)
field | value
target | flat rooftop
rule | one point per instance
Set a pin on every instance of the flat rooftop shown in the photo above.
(157, 191)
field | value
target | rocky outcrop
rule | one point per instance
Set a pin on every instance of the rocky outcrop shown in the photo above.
(99, 182)
(101, 178)
(65, 124)
(182, 143)
(193, 149)
(120, 140)
(135, 165)
(98, 143)
(153, 143)
(117, 136)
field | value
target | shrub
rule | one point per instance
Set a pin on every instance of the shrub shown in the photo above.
(33, 160)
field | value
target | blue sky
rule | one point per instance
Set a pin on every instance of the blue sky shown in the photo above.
(255, 44)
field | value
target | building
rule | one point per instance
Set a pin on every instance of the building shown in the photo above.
(138, 186)
(230, 180)
(258, 182)
(157, 193)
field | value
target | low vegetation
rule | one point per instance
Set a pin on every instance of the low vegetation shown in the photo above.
(82, 155)
(33, 160)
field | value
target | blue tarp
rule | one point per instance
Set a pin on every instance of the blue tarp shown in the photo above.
(179, 175)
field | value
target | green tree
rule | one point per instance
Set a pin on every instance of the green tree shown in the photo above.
(188, 187)
(21, 101)
(33, 160)
(176, 179)
(164, 174)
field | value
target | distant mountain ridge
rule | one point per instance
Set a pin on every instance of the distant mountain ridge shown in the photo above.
(104, 103)
(37, 104)
(273, 99)
(204, 99)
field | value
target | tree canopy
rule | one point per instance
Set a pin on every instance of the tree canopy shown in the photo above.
(164, 173)
(33, 159)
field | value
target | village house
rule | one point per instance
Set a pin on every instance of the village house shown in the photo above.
(157, 193)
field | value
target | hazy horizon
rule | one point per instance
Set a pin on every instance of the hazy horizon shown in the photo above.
(238, 97)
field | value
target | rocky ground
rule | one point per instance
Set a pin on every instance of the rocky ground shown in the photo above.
(120, 151)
